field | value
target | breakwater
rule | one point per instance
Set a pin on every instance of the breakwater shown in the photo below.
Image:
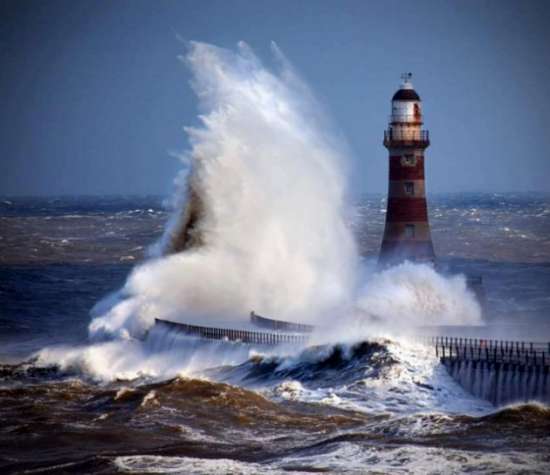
(496, 370)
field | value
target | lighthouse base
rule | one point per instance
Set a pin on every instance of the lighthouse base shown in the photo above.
(393, 253)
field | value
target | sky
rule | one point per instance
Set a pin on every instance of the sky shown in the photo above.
(94, 98)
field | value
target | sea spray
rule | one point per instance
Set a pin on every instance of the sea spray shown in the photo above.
(399, 301)
(414, 295)
(269, 178)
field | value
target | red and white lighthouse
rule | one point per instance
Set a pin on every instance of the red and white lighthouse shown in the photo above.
(407, 231)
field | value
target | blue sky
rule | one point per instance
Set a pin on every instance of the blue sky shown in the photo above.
(94, 97)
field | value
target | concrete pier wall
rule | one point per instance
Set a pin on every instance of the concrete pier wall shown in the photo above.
(501, 372)
(501, 383)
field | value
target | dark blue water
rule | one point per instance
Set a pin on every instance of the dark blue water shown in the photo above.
(59, 256)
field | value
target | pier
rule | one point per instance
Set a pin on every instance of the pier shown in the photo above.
(499, 371)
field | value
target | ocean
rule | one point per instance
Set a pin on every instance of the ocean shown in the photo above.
(170, 404)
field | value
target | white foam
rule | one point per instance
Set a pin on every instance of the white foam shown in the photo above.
(347, 457)
(354, 458)
(186, 465)
(415, 383)
(410, 295)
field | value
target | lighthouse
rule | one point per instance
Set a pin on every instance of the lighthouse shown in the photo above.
(407, 230)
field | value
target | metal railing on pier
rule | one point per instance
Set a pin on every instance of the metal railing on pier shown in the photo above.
(230, 334)
(492, 351)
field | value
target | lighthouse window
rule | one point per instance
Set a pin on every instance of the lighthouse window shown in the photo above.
(409, 230)
(409, 188)
(408, 160)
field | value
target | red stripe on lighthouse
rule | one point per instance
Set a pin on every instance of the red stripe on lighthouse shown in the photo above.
(399, 171)
(407, 210)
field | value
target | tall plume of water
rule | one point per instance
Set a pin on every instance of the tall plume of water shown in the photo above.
(260, 207)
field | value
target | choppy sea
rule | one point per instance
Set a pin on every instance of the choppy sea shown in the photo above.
(375, 406)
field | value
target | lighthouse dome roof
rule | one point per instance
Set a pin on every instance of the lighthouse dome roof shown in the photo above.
(406, 94)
